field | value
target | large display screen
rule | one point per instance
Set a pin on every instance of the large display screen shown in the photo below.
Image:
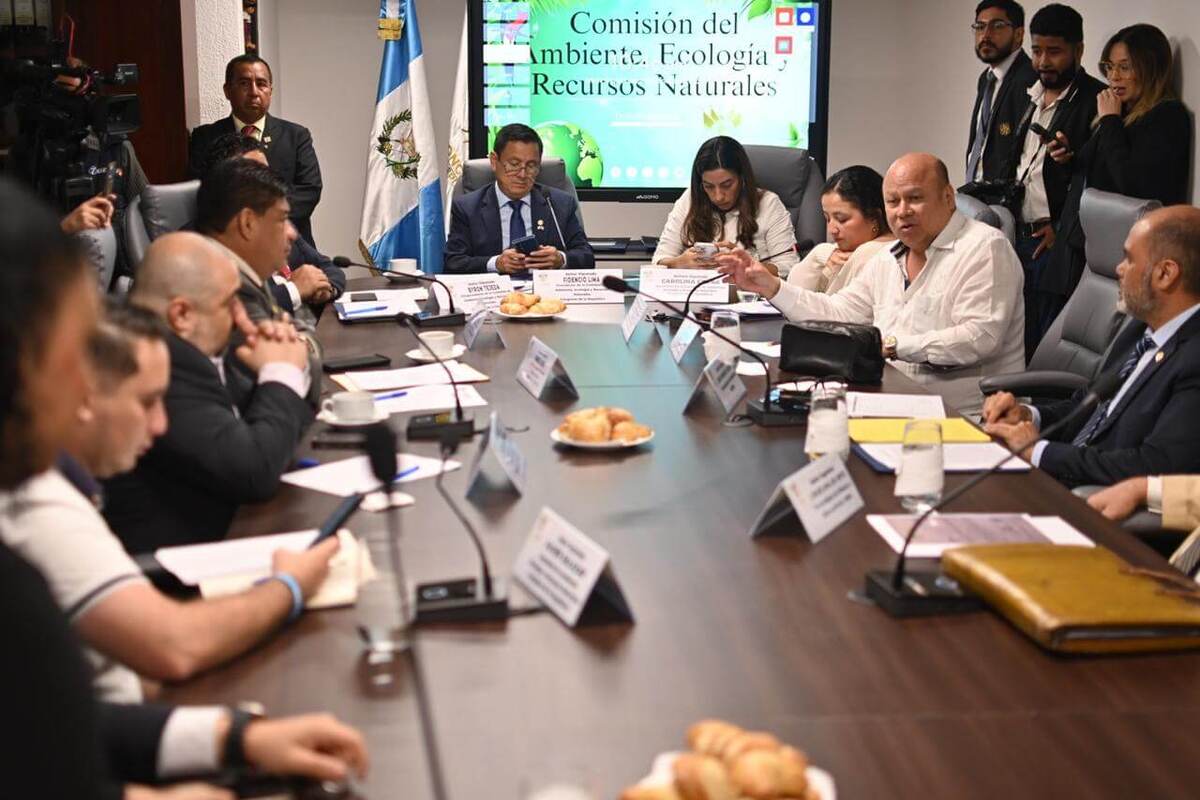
(625, 91)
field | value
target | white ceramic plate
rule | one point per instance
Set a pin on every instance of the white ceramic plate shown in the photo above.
(329, 418)
(558, 437)
(527, 317)
(421, 355)
(661, 774)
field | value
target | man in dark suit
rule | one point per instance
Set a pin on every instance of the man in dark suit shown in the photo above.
(232, 432)
(248, 86)
(1150, 426)
(484, 223)
(1062, 101)
(1000, 98)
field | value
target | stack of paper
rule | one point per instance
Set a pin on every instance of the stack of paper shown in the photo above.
(225, 568)
(881, 404)
(387, 303)
(942, 531)
(428, 398)
(378, 380)
(964, 457)
(353, 475)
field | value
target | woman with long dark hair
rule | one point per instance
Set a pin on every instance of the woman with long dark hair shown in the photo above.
(724, 206)
(852, 202)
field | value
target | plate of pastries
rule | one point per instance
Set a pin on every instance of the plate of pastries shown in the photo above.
(602, 428)
(529, 307)
(726, 762)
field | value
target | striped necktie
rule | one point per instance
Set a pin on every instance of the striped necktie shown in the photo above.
(1089, 430)
(1187, 556)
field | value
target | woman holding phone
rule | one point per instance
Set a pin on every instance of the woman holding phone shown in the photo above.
(723, 208)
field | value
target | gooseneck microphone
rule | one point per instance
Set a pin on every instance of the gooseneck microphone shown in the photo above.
(545, 191)
(687, 301)
(905, 594)
(430, 426)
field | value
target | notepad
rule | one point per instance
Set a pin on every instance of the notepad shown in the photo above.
(378, 380)
(349, 475)
(954, 429)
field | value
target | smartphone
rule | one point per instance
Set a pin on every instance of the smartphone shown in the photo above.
(1047, 137)
(110, 178)
(706, 249)
(526, 245)
(356, 362)
(358, 297)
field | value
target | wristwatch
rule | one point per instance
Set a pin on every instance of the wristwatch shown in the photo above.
(889, 346)
(240, 716)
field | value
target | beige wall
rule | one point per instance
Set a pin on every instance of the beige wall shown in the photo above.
(902, 78)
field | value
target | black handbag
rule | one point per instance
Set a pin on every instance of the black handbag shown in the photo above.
(823, 349)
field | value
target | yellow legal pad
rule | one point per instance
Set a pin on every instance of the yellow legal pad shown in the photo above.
(882, 431)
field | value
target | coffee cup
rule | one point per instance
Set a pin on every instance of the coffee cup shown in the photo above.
(441, 343)
(403, 265)
(350, 406)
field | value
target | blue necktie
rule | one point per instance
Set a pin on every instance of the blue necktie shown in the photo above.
(1089, 430)
(516, 225)
(983, 122)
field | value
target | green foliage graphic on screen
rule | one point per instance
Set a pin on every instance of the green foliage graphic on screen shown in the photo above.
(625, 91)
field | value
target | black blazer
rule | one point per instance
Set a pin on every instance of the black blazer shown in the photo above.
(1150, 159)
(475, 234)
(188, 486)
(1154, 430)
(289, 152)
(1002, 148)
(60, 742)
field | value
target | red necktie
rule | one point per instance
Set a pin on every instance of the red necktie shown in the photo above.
(250, 131)
(286, 272)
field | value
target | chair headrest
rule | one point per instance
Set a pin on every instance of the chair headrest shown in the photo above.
(782, 170)
(477, 173)
(167, 207)
(974, 208)
(1106, 218)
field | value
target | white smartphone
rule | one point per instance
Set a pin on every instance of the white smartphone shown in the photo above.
(705, 249)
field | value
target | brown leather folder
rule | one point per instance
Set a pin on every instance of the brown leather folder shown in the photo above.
(1081, 599)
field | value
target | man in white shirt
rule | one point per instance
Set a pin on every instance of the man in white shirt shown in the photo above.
(1150, 426)
(233, 433)
(946, 297)
(58, 528)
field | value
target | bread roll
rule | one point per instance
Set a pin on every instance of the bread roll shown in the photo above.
(593, 428)
(616, 415)
(747, 741)
(515, 309)
(629, 432)
(710, 736)
(512, 297)
(528, 300)
(699, 777)
(771, 774)
(650, 793)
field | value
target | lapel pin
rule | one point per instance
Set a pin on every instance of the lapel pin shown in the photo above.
(1159, 356)
(541, 226)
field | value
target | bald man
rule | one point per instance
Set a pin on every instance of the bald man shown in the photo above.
(1150, 426)
(946, 296)
(231, 433)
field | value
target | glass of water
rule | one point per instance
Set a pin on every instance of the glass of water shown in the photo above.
(729, 325)
(920, 476)
(828, 423)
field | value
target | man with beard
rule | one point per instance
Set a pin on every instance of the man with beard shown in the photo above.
(1061, 102)
(1000, 100)
(1149, 426)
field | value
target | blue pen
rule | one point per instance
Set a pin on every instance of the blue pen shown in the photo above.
(390, 395)
(404, 473)
(365, 310)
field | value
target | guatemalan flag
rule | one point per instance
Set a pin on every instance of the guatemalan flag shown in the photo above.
(402, 204)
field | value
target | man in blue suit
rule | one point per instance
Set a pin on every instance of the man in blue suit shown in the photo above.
(1150, 426)
(484, 223)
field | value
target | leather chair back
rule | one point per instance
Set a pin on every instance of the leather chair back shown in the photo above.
(974, 208)
(477, 173)
(101, 246)
(792, 174)
(160, 209)
(1082, 333)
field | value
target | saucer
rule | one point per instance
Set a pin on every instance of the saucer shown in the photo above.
(329, 418)
(422, 355)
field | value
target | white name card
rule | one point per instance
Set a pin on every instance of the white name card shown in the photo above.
(577, 286)
(497, 449)
(472, 292)
(569, 573)
(673, 285)
(541, 369)
(634, 316)
(476, 324)
(722, 376)
(683, 339)
(821, 494)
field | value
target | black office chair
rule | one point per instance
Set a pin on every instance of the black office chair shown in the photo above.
(477, 173)
(101, 246)
(160, 209)
(792, 174)
(1071, 352)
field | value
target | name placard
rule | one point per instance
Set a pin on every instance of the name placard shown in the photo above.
(497, 450)
(541, 369)
(673, 285)
(472, 292)
(576, 286)
(821, 495)
(569, 573)
(635, 316)
(722, 376)
(683, 339)
(476, 324)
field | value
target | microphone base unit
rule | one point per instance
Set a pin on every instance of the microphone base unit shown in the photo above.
(922, 593)
(460, 600)
(440, 427)
(430, 320)
(399, 278)
(774, 415)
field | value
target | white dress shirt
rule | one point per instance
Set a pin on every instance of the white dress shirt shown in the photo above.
(1036, 206)
(1160, 337)
(775, 237)
(999, 70)
(961, 320)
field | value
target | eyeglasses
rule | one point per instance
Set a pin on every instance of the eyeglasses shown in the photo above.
(518, 168)
(1122, 69)
(995, 26)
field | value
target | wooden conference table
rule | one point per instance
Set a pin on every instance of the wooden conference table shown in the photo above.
(759, 632)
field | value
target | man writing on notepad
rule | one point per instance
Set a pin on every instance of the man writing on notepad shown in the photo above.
(130, 627)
